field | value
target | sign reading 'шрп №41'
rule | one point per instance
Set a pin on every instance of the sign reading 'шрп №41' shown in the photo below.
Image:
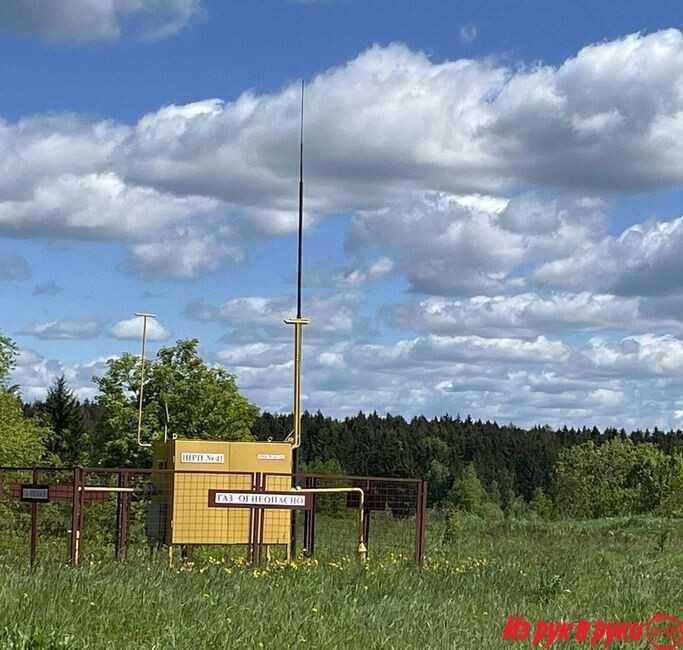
(243, 499)
(199, 457)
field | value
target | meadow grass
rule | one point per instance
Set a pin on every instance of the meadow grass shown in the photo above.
(612, 569)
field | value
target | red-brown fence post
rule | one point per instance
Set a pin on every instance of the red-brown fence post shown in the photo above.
(420, 522)
(367, 510)
(122, 516)
(255, 528)
(314, 483)
(34, 522)
(76, 516)
(309, 520)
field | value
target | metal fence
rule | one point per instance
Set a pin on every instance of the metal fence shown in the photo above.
(87, 515)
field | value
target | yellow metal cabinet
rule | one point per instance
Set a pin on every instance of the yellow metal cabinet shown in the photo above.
(183, 497)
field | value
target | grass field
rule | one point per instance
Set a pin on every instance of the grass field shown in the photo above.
(616, 570)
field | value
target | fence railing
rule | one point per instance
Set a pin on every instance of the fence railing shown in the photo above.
(76, 514)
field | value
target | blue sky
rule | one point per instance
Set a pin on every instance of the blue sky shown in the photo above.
(492, 188)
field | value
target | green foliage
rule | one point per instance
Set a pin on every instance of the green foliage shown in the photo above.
(439, 477)
(327, 504)
(671, 504)
(8, 355)
(21, 438)
(517, 508)
(67, 440)
(460, 524)
(201, 402)
(330, 466)
(490, 512)
(470, 507)
(494, 494)
(541, 505)
(467, 493)
(618, 477)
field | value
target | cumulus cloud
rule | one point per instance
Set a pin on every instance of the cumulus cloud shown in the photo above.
(643, 260)
(528, 314)
(186, 251)
(34, 373)
(528, 382)
(97, 206)
(447, 245)
(361, 275)
(433, 348)
(599, 122)
(255, 355)
(131, 330)
(97, 20)
(637, 356)
(332, 316)
(384, 131)
(56, 185)
(65, 329)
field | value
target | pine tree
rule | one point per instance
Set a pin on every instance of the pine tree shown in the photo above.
(67, 440)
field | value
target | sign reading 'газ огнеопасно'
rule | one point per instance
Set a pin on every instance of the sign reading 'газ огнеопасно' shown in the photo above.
(244, 499)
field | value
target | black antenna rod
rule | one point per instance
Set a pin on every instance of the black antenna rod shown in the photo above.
(301, 203)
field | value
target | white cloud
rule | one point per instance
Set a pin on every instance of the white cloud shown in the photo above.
(360, 275)
(528, 382)
(131, 330)
(186, 251)
(97, 20)
(644, 260)
(441, 349)
(332, 317)
(98, 206)
(65, 329)
(445, 245)
(386, 133)
(528, 314)
(392, 121)
(255, 355)
(645, 355)
(34, 374)
(606, 397)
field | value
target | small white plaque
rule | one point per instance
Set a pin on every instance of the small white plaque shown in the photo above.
(200, 457)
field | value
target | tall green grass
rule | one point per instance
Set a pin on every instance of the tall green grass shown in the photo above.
(609, 569)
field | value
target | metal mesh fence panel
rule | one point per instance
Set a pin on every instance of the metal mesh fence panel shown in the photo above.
(54, 519)
(96, 515)
(393, 515)
(15, 516)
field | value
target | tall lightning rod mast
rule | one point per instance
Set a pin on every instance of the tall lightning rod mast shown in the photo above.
(299, 321)
(301, 205)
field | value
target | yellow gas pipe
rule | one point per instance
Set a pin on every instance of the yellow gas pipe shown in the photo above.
(362, 548)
